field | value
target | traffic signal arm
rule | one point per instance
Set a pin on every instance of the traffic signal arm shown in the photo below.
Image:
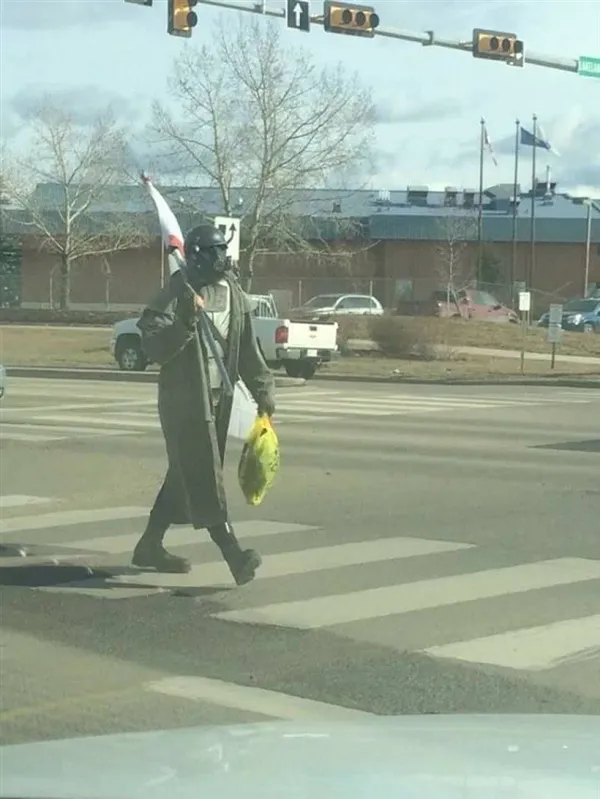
(350, 19)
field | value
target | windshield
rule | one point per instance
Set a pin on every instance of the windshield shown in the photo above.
(339, 496)
(322, 301)
(581, 306)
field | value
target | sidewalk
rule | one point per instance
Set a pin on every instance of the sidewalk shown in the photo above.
(365, 345)
(531, 356)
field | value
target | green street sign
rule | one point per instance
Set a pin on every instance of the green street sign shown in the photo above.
(588, 66)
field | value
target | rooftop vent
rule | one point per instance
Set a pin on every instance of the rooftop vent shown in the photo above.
(541, 188)
(337, 207)
(417, 195)
(469, 198)
(450, 196)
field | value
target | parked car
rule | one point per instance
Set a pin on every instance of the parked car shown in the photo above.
(338, 305)
(579, 316)
(467, 303)
(299, 347)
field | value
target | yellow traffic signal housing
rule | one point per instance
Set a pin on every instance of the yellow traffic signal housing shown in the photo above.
(498, 46)
(348, 18)
(182, 18)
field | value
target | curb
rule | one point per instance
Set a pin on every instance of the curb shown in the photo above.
(115, 375)
(464, 381)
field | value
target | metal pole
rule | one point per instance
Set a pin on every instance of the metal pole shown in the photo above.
(533, 193)
(513, 266)
(588, 242)
(480, 212)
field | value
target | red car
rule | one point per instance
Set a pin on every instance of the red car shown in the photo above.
(473, 304)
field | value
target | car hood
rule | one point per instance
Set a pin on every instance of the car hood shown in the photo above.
(412, 757)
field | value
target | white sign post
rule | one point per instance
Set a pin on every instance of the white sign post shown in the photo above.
(524, 308)
(230, 227)
(555, 315)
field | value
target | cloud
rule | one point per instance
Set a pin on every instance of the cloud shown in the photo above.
(55, 14)
(82, 103)
(442, 108)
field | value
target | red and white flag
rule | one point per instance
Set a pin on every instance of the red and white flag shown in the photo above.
(169, 226)
(488, 144)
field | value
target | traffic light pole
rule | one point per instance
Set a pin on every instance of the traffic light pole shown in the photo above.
(427, 39)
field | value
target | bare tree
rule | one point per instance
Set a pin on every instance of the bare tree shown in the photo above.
(62, 184)
(454, 269)
(259, 116)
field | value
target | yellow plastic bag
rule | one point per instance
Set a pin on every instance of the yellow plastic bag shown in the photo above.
(259, 462)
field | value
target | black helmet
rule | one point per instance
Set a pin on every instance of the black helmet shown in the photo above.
(205, 250)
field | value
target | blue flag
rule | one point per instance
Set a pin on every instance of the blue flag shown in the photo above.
(534, 141)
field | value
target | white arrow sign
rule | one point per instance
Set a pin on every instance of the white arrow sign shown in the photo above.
(298, 14)
(230, 227)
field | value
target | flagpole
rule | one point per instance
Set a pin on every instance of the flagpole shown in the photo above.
(513, 268)
(480, 214)
(533, 193)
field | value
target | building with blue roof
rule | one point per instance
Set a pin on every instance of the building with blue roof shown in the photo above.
(399, 244)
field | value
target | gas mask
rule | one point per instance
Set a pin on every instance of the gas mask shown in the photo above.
(206, 256)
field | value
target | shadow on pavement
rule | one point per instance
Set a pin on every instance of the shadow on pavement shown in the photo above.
(573, 446)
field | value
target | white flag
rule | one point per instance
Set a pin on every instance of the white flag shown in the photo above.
(169, 226)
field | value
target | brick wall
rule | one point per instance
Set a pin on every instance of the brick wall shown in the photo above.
(136, 274)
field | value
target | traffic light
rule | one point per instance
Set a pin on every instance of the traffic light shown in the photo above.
(350, 19)
(181, 17)
(498, 46)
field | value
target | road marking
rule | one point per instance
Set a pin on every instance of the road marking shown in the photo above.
(18, 431)
(303, 561)
(421, 595)
(531, 649)
(253, 700)
(64, 518)
(312, 560)
(184, 536)
(18, 500)
(100, 588)
(106, 419)
(30, 437)
(336, 410)
(81, 406)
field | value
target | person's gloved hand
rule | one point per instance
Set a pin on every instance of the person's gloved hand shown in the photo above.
(266, 405)
(188, 305)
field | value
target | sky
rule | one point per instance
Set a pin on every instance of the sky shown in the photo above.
(89, 53)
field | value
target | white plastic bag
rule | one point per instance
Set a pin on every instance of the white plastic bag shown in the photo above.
(243, 413)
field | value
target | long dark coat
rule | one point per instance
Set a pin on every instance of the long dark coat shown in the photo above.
(195, 431)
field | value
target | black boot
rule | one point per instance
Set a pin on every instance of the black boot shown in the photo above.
(151, 554)
(242, 563)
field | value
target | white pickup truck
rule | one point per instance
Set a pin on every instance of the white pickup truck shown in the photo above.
(300, 347)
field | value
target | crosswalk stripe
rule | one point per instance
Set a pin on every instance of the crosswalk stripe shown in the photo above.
(306, 560)
(18, 500)
(422, 595)
(340, 411)
(106, 419)
(254, 700)
(80, 406)
(185, 536)
(65, 518)
(402, 401)
(32, 438)
(51, 431)
(531, 649)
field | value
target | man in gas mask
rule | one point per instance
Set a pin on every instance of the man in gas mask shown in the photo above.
(194, 407)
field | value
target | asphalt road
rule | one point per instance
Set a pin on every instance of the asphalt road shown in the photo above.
(426, 550)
